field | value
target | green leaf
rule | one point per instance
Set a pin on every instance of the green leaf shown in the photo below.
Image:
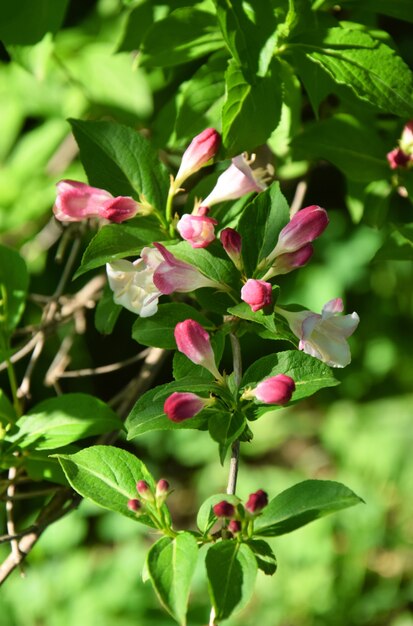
(108, 476)
(148, 413)
(308, 373)
(106, 312)
(260, 225)
(116, 241)
(352, 146)
(119, 159)
(249, 30)
(213, 262)
(7, 412)
(372, 69)
(14, 281)
(251, 110)
(401, 9)
(185, 34)
(398, 246)
(301, 504)
(56, 422)
(276, 326)
(27, 22)
(225, 426)
(158, 330)
(171, 564)
(202, 98)
(206, 517)
(231, 569)
(138, 21)
(266, 560)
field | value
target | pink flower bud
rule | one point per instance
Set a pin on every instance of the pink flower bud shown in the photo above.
(162, 488)
(181, 406)
(398, 158)
(235, 182)
(234, 526)
(324, 336)
(224, 509)
(119, 209)
(201, 149)
(274, 390)
(406, 140)
(285, 263)
(256, 502)
(134, 505)
(77, 201)
(193, 341)
(174, 275)
(144, 490)
(232, 244)
(256, 293)
(198, 230)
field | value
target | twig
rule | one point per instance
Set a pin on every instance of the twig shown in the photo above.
(58, 507)
(14, 544)
(104, 369)
(298, 199)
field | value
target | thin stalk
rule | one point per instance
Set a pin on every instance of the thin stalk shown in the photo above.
(234, 462)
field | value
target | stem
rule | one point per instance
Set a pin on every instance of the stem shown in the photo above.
(169, 206)
(234, 462)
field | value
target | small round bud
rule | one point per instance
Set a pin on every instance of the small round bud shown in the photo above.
(134, 505)
(162, 488)
(224, 509)
(144, 490)
(234, 526)
(256, 502)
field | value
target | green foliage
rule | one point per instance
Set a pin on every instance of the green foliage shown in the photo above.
(302, 504)
(14, 282)
(31, 22)
(158, 330)
(171, 563)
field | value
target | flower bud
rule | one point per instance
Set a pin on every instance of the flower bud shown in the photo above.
(201, 149)
(162, 488)
(234, 526)
(144, 490)
(197, 230)
(285, 263)
(181, 406)
(398, 158)
(256, 293)
(135, 505)
(232, 244)
(274, 390)
(224, 509)
(256, 502)
(77, 201)
(193, 341)
(119, 209)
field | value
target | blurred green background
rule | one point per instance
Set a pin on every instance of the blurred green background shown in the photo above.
(351, 569)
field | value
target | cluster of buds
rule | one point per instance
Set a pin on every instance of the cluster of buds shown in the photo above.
(150, 500)
(402, 156)
(241, 517)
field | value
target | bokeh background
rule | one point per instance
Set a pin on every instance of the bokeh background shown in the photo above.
(354, 568)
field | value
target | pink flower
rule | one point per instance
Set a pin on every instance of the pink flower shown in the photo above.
(180, 406)
(274, 390)
(201, 149)
(77, 201)
(324, 336)
(406, 140)
(135, 505)
(256, 293)
(256, 502)
(398, 158)
(235, 182)
(198, 230)
(224, 509)
(234, 526)
(232, 244)
(193, 341)
(175, 275)
(162, 489)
